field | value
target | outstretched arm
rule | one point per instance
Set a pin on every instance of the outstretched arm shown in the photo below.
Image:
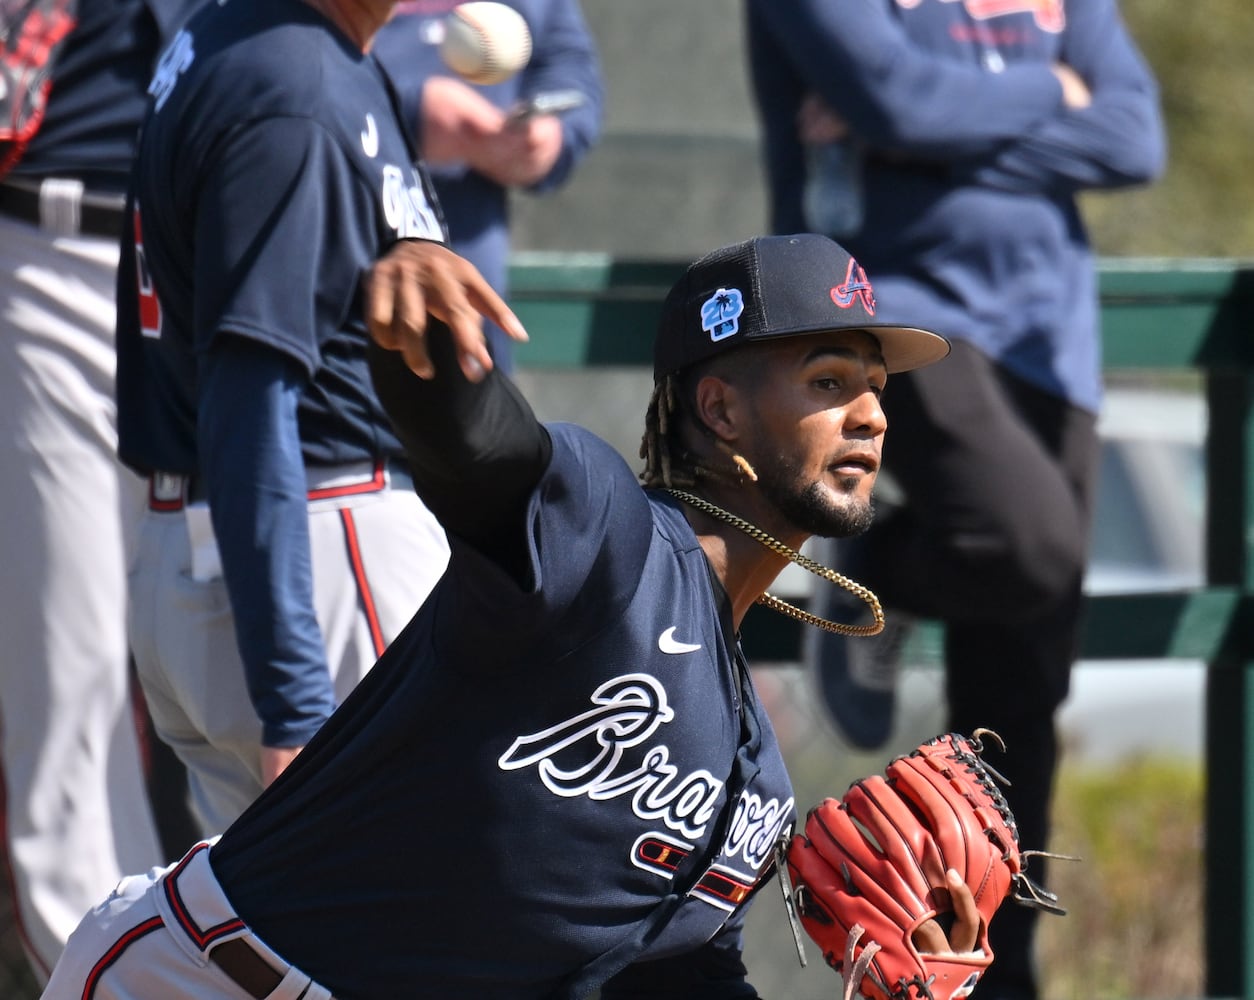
(474, 445)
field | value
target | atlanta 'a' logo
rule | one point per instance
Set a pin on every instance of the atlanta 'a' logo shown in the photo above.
(1048, 14)
(856, 287)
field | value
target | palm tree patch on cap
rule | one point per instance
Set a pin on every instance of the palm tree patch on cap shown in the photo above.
(720, 313)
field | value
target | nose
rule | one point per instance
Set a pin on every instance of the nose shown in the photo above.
(866, 415)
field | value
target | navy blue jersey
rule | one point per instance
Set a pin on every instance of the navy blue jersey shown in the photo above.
(530, 778)
(272, 171)
(97, 96)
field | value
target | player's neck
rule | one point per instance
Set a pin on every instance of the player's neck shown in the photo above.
(742, 563)
(359, 20)
(746, 574)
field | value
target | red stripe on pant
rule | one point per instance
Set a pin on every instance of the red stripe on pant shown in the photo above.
(363, 584)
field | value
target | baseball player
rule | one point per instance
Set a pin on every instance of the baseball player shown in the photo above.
(482, 142)
(559, 778)
(77, 816)
(283, 547)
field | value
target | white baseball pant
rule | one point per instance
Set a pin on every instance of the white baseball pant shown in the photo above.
(169, 934)
(78, 813)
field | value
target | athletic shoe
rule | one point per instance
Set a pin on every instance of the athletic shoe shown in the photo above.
(857, 678)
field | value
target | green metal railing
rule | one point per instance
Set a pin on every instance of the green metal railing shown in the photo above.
(1197, 316)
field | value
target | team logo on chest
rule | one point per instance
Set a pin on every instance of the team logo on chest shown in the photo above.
(370, 137)
(405, 206)
(585, 755)
(175, 61)
(1049, 15)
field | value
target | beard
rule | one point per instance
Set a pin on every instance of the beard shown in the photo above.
(810, 507)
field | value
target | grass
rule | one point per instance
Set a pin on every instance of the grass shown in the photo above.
(1134, 926)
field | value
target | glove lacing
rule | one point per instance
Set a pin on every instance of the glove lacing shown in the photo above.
(855, 968)
(1025, 890)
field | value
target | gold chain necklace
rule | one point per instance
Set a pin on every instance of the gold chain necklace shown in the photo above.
(775, 545)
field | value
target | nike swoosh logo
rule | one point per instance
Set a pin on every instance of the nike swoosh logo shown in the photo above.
(667, 643)
(370, 138)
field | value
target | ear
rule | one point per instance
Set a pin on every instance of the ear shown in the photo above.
(719, 406)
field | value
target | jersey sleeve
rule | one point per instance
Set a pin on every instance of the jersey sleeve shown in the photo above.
(565, 58)
(277, 258)
(589, 527)
(1119, 140)
(895, 95)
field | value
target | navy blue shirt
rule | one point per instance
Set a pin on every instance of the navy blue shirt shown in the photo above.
(564, 57)
(545, 768)
(972, 161)
(272, 172)
(98, 92)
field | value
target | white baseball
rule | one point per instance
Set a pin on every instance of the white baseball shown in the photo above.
(485, 42)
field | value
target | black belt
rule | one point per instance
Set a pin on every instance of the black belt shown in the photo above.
(251, 972)
(169, 492)
(97, 214)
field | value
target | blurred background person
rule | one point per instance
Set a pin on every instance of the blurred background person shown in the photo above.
(944, 144)
(283, 547)
(481, 142)
(77, 813)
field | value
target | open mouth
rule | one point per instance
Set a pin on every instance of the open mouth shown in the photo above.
(849, 465)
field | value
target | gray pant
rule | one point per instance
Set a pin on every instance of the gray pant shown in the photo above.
(78, 814)
(183, 632)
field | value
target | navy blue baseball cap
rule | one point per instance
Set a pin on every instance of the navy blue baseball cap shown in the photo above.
(778, 286)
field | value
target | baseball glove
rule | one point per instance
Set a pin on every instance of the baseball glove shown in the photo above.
(32, 33)
(870, 868)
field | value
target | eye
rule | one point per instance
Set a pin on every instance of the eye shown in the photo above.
(828, 383)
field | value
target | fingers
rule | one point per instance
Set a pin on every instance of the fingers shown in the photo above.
(930, 938)
(378, 304)
(818, 123)
(274, 761)
(485, 300)
(466, 326)
(396, 315)
(1075, 92)
(459, 296)
(415, 279)
(966, 929)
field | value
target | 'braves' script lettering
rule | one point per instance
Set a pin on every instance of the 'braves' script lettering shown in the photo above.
(755, 828)
(405, 207)
(628, 711)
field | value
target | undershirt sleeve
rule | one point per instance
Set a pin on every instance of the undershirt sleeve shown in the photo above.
(251, 460)
(476, 449)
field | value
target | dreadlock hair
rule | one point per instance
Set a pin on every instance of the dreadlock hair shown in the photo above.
(668, 464)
